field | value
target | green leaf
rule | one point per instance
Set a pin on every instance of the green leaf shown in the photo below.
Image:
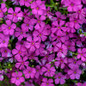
(84, 33)
(51, 1)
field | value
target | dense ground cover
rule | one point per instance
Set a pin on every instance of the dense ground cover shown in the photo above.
(43, 43)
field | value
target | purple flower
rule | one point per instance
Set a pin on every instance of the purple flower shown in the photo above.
(32, 43)
(17, 78)
(20, 34)
(38, 7)
(29, 72)
(27, 3)
(74, 72)
(3, 9)
(71, 5)
(60, 78)
(60, 62)
(47, 82)
(61, 49)
(16, 15)
(21, 63)
(82, 54)
(19, 51)
(48, 70)
(5, 52)
(9, 28)
(75, 21)
(4, 40)
(42, 33)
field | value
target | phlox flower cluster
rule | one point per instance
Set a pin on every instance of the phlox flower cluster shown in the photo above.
(43, 42)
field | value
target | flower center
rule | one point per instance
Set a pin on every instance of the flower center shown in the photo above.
(21, 32)
(5, 51)
(37, 70)
(9, 27)
(38, 21)
(58, 19)
(75, 72)
(61, 61)
(69, 46)
(59, 77)
(27, 24)
(19, 52)
(29, 71)
(58, 36)
(79, 11)
(58, 27)
(14, 14)
(48, 70)
(22, 63)
(32, 43)
(3, 41)
(72, 4)
(0, 11)
(37, 8)
(74, 62)
(60, 49)
(47, 83)
(17, 78)
(39, 34)
(75, 21)
(25, 0)
(81, 54)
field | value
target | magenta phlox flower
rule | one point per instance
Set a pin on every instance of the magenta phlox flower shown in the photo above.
(60, 78)
(16, 15)
(22, 62)
(9, 28)
(3, 9)
(17, 78)
(47, 82)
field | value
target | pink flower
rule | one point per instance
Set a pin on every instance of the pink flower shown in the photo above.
(9, 28)
(27, 25)
(4, 40)
(3, 9)
(60, 78)
(39, 22)
(19, 51)
(20, 34)
(82, 54)
(74, 62)
(47, 82)
(70, 45)
(75, 21)
(48, 70)
(38, 7)
(21, 63)
(60, 17)
(60, 62)
(16, 15)
(17, 78)
(38, 71)
(42, 33)
(61, 49)
(71, 5)
(5, 52)
(74, 73)
(57, 26)
(27, 3)
(29, 72)
(32, 43)
(29, 83)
